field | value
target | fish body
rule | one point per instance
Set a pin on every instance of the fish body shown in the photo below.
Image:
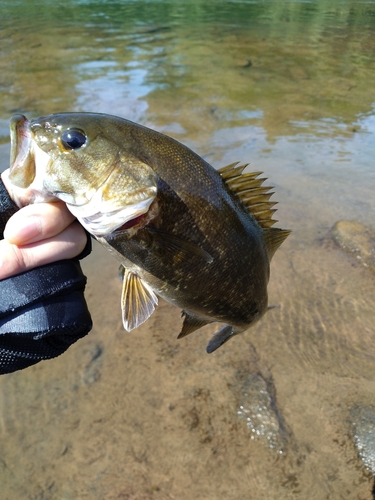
(200, 238)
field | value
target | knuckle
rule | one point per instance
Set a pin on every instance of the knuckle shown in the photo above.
(22, 260)
(18, 259)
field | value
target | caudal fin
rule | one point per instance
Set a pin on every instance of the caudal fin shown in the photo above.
(221, 336)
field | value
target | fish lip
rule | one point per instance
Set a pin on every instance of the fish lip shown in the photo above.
(22, 167)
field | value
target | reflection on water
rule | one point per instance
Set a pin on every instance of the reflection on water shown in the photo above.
(287, 87)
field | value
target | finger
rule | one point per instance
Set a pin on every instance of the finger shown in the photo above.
(17, 259)
(37, 222)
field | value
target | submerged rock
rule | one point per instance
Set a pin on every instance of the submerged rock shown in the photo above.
(364, 435)
(259, 409)
(357, 240)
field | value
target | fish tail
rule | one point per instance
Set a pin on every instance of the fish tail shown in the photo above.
(221, 336)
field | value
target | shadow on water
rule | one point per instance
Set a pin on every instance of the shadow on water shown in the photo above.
(287, 409)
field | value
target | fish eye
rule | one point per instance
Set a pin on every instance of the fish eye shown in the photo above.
(73, 138)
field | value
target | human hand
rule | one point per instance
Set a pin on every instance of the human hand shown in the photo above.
(38, 234)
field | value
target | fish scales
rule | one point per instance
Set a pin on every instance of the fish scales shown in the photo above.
(198, 237)
(180, 276)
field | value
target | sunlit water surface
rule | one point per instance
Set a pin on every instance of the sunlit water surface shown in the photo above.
(286, 411)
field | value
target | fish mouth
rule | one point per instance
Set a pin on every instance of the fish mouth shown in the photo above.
(25, 155)
(22, 165)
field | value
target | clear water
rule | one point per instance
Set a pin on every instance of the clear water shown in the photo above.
(287, 410)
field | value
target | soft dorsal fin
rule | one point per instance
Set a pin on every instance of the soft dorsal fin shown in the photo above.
(248, 187)
(273, 238)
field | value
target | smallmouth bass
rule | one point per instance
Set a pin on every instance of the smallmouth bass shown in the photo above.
(200, 238)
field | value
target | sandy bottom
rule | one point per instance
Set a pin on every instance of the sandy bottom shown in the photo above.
(283, 411)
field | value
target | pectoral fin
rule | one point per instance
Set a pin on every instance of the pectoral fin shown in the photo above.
(138, 301)
(221, 336)
(176, 246)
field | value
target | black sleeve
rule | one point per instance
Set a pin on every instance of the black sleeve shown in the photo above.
(42, 311)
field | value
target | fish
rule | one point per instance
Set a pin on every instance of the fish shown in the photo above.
(198, 237)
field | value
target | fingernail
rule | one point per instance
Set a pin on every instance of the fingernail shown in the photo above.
(23, 230)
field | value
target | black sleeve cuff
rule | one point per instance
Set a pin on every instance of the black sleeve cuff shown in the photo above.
(42, 313)
(7, 207)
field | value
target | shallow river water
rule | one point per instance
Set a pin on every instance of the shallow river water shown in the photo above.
(287, 410)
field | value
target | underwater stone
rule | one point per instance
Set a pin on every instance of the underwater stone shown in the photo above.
(364, 435)
(259, 410)
(357, 240)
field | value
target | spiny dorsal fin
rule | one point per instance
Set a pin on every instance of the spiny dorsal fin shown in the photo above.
(232, 170)
(248, 187)
(273, 238)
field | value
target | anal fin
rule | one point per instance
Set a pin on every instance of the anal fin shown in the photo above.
(191, 323)
(138, 301)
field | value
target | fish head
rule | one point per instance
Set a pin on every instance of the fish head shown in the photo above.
(79, 159)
